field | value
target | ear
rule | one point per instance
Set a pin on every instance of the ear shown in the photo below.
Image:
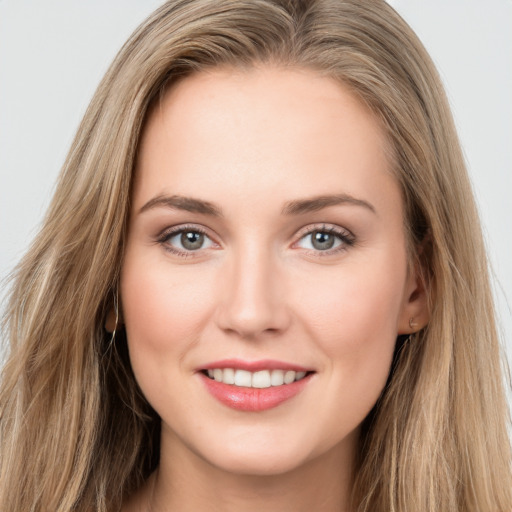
(415, 313)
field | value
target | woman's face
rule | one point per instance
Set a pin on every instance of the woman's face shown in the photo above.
(266, 240)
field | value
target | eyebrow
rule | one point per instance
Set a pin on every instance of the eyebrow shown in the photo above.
(314, 204)
(296, 207)
(188, 204)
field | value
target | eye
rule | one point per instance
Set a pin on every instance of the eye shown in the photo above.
(185, 240)
(320, 241)
(326, 239)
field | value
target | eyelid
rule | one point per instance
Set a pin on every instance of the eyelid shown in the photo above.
(324, 226)
(169, 230)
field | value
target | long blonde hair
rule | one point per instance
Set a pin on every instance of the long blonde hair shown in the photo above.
(76, 433)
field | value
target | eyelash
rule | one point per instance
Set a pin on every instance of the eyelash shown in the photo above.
(346, 237)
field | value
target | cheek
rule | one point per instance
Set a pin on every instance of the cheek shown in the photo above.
(352, 313)
(163, 311)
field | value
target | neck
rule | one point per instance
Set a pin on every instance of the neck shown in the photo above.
(185, 481)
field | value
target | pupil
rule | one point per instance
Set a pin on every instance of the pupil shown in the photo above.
(192, 240)
(322, 240)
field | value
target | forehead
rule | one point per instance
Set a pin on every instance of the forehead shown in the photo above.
(262, 130)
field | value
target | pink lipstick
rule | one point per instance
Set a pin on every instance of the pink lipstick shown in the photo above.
(254, 385)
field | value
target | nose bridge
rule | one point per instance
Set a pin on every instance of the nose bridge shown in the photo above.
(253, 302)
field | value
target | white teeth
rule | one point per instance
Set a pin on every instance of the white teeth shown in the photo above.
(289, 377)
(243, 378)
(277, 378)
(260, 379)
(229, 376)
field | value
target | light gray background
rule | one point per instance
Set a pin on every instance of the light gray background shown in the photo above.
(54, 52)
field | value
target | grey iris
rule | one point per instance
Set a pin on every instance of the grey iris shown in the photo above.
(322, 240)
(192, 240)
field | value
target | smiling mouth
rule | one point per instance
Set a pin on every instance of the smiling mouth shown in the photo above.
(260, 379)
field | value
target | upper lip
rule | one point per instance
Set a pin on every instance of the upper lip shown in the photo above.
(255, 366)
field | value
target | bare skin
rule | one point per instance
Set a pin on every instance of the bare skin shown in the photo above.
(266, 225)
(306, 488)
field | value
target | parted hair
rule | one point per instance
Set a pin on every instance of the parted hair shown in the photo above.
(77, 434)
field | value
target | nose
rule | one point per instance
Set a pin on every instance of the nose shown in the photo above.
(252, 296)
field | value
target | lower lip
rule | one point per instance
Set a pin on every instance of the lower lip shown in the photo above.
(253, 399)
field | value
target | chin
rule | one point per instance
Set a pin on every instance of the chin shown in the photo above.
(248, 465)
(253, 459)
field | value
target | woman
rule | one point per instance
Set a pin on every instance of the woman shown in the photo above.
(261, 282)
